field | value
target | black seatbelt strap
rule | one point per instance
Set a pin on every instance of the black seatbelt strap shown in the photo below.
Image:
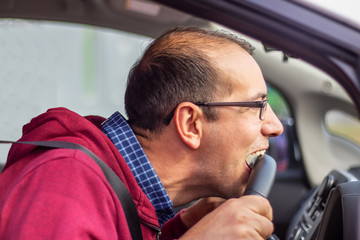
(118, 186)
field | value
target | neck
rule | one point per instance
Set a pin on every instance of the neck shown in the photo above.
(176, 171)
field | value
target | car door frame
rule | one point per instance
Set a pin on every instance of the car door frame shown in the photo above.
(299, 31)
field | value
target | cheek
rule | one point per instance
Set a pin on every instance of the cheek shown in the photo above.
(225, 153)
(242, 135)
(229, 143)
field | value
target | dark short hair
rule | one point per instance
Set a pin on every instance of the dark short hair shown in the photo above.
(176, 68)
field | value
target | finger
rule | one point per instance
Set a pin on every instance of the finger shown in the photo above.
(198, 210)
(260, 224)
(259, 205)
(257, 227)
(262, 216)
(266, 228)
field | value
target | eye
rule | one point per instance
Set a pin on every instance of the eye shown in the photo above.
(245, 109)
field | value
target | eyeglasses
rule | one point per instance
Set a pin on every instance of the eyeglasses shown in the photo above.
(253, 104)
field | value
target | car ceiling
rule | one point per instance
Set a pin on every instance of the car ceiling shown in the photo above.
(144, 17)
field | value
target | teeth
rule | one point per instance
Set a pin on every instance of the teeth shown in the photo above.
(251, 159)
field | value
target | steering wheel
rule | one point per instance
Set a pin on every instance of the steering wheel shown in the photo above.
(331, 212)
(261, 179)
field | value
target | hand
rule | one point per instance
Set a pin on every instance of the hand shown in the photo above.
(199, 209)
(247, 217)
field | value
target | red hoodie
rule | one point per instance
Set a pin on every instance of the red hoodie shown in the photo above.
(62, 193)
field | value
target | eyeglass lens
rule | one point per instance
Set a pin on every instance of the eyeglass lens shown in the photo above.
(263, 110)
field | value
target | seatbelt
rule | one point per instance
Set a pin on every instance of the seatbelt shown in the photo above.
(115, 182)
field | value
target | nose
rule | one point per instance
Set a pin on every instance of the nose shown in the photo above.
(272, 126)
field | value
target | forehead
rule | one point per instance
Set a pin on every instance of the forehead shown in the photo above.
(237, 67)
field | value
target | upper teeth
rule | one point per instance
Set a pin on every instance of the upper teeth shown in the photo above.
(251, 159)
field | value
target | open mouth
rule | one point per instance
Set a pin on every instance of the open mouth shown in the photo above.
(251, 159)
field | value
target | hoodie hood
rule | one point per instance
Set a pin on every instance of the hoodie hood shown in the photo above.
(61, 124)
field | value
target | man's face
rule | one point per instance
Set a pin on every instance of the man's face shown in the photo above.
(238, 132)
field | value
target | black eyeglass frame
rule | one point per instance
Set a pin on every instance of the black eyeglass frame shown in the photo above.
(251, 104)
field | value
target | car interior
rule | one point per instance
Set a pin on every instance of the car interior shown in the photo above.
(77, 54)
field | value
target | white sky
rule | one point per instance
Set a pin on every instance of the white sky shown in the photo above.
(349, 9)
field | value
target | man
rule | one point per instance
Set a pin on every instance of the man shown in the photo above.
(177, 146)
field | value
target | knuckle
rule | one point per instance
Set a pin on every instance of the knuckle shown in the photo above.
(245, 233)
(242, 218)
(232, 202)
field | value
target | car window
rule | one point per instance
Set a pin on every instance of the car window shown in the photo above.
(344, 125)
(48, 64)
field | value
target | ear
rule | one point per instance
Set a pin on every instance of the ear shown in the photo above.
(188, 122)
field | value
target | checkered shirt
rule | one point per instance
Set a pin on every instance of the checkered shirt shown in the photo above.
(120, 133)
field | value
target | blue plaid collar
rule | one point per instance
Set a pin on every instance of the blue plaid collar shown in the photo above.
(120, 133)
